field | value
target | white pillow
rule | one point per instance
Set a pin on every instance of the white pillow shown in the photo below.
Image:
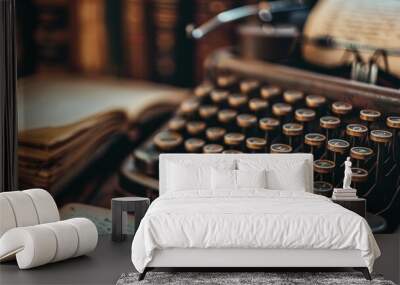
(281, 174)
(182, 177)
(251, 178)
(223, 179)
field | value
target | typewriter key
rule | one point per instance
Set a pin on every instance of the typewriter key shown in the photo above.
(369, 115)
(258, 106)
(226, 81)
(358, 175)
(356, 131)
(203, 91)
(293, 97)
(167, 141)
(341, 108)
(177, 124)
(314, 141)
(315, 101)
(246, 122)
(338, 146)
(234, 140)
(249, 86)
(381, 136)
(254, 144)
(208, 113)
(215, 134)
(189, 107)
(227, 118)
(360, 153)
(324, 167)
(280, 148)
(393, 122)
(194, 145)
(329, 124)
(292, 131)
(305, 116)
(282, 111)
(238, 101)
(269, 124)
(213, 148)
(270, 93)
(219, 97)
(323, 188)
(231, 151)
(195, 128)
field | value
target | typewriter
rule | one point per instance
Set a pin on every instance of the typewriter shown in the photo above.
(256, 106)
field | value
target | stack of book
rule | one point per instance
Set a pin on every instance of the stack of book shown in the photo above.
(344, 194)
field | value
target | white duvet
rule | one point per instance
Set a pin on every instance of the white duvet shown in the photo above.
(255, 218)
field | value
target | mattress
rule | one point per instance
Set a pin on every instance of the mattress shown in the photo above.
(251, 219)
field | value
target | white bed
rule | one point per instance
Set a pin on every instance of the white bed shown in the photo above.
(248, 226)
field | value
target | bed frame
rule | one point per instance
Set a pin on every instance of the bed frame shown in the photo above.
(246, 257)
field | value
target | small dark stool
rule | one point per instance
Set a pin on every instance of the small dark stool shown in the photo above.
(120, 207)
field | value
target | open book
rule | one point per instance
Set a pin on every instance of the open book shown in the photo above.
(365, 22)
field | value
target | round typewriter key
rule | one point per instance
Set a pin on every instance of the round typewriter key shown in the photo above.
(203, 90)
(194, 145)
(237, 101)
(315, 101)
(338, 145)
(292, 96)
(292, 129)
(369, 115)
(281, 109)
(249, 86)
(270, 92)
(380, 136)
(208, 111)
(268, 124)
(304, 115)
(341, 108)
(215, 134)
(234, 140)
(226, 81)
(358, 175)
(329, 122)
(219, 96)
(258, 105)
(314, 139)
(213, 148)
(167, 140)
(246, 120)
(356, 130)
(231, 151)
(256, 144)
(177, 124)
(189, 107)
(195, 128)
(393, 122)
(227, 116)
(323, 188)
(324, 166)
(360, 153)
(280, 148)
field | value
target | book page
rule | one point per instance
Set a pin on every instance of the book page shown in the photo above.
(366, 22)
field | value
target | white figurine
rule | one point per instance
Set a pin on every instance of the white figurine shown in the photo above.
(347, 174)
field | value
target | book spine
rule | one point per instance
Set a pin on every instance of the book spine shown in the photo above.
(135, 38)
(51, 35)
(90, 36)
(172, 50)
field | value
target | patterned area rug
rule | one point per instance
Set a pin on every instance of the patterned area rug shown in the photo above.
(242, 278)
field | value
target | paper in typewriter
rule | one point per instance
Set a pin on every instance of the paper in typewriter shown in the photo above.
(367, 22)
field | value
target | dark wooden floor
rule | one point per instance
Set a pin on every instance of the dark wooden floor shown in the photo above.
(106, 264)
(103, 266)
